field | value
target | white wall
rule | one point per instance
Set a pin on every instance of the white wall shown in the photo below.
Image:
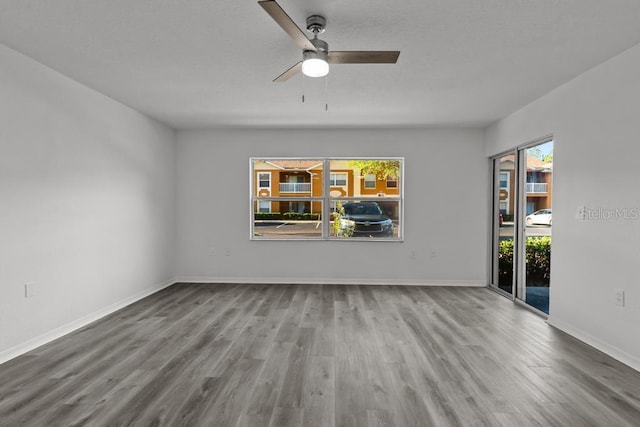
(595, 120)
(87, 204)
(445, 209)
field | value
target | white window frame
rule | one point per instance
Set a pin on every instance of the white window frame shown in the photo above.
(369, 180)
(508, 179)
(268, 202)
(258, 180)
(333, 180)
(393, 180)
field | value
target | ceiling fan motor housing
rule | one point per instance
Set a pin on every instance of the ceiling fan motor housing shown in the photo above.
(322, 51)
(316, 24)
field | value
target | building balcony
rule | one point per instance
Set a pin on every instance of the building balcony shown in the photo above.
(537, 187)
(295, 187)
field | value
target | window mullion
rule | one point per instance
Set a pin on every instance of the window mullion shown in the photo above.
(326, 209)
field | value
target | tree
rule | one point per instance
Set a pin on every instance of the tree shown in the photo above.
(380, 168)
(535, 152)
(341, 229)
(539, 154)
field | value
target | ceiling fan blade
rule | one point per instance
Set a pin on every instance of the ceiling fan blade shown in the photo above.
(295, 69)
(280, 16)
(364, 57)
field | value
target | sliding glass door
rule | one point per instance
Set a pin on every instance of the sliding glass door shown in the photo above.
(537, 223)
(522, 225)
(503, 218)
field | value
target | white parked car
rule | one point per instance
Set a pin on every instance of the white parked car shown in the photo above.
(543, 216)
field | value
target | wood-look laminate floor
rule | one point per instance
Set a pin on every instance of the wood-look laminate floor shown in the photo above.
(287, 355)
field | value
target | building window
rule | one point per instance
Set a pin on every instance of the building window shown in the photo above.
(338, 179)
(264, 206)
(504, 180)
(369, 181)
(315, 206)
(264, 180)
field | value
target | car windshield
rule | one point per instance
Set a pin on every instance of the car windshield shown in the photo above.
(363, 209)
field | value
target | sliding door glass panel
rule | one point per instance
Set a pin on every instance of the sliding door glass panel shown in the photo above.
(537, 220)
(504, 208)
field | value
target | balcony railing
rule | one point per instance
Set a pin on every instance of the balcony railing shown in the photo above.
(295, 187)
(536, 187)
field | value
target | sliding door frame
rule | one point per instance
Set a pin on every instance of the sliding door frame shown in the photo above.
(518, 288)
(494, 282)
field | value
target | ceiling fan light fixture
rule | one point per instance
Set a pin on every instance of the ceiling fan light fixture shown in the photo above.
(315, 67)
(315, 63)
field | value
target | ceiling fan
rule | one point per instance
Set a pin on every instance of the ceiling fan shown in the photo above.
(316, 56)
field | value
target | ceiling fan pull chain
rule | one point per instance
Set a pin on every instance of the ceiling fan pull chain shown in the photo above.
(326, 92)
(303, 88)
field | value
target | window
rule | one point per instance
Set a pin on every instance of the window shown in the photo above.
(311, 198)
(264, 180)
(369, 181)
(338, 179)
(264, 206)
(504, 180)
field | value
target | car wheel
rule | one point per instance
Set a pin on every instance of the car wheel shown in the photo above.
(529, 221)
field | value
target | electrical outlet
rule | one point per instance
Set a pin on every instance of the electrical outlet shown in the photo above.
(228, 252)
(620, 297)
(29, 289)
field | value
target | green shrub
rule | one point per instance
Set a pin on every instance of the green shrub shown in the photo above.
(538, 258)
(336, 224)
(505, 263)
(268, 215)
(291, 216)
(538, 261)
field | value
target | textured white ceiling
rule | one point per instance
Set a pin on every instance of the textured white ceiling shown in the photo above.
(197, 64)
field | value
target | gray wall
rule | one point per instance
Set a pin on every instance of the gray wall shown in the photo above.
(445, 209)
(87, 204)
(595, 120)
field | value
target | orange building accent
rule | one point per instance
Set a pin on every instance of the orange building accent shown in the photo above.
(305, 179)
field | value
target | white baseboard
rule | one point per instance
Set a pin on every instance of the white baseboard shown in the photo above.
(327, 281)
(67, 328)
(613, 351)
